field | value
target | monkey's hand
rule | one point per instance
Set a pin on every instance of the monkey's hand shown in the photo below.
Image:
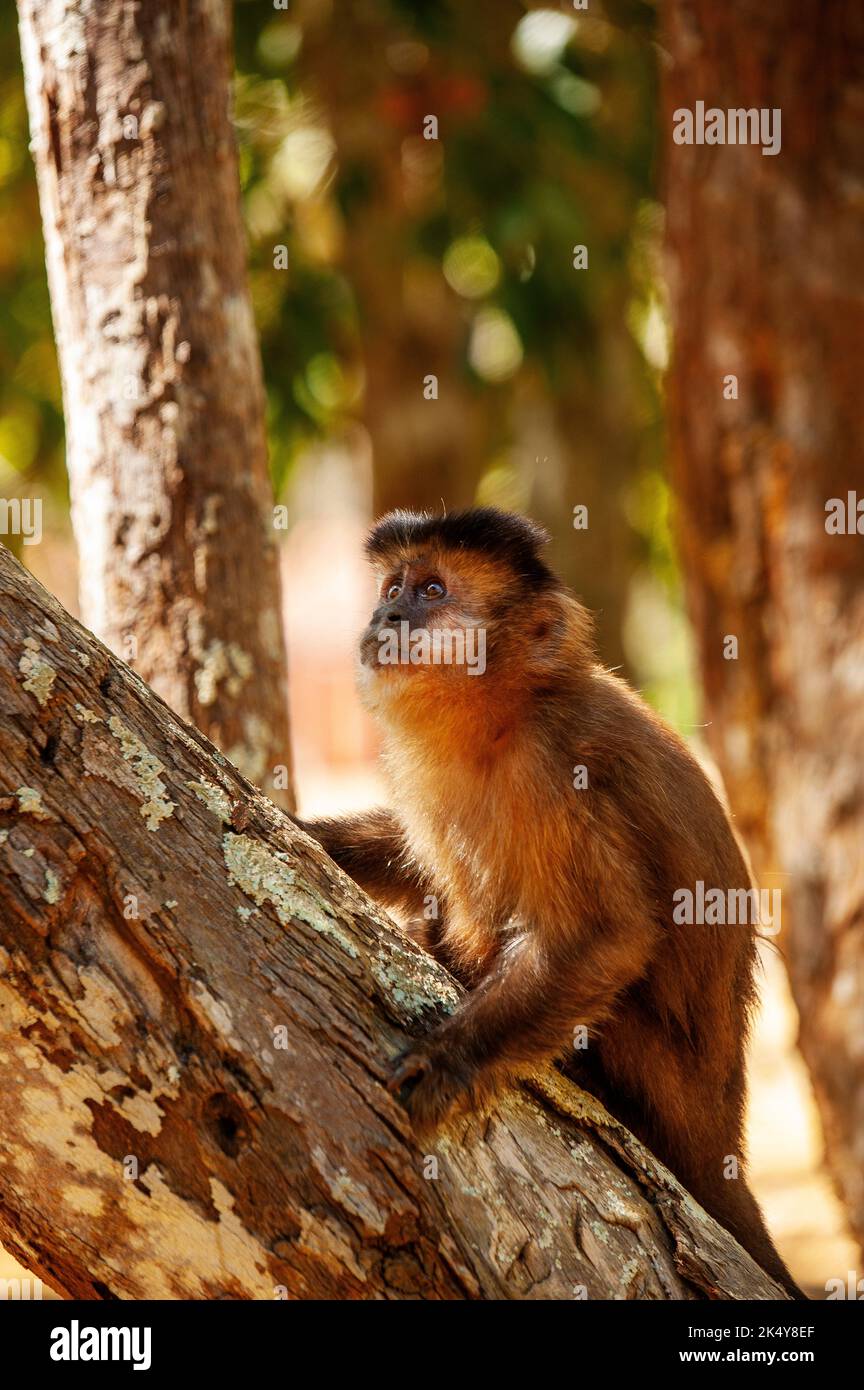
(429, 1084)
(522, 1012)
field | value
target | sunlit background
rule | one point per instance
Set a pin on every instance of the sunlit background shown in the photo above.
(380, 260)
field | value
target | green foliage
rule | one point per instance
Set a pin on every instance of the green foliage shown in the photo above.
(540, 155)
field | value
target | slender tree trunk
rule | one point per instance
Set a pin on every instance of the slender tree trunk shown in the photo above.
(171, 505)
(198, 1014)
(767, 278)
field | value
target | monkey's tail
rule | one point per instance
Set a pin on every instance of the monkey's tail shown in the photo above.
(747, 1224)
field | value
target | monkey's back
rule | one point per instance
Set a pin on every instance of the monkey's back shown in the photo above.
(673, 1054)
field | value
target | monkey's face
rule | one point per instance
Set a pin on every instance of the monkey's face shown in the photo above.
(466, 611)
(431, 622)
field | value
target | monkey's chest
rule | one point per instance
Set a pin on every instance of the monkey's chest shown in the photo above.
(489, 839)
(491, 877)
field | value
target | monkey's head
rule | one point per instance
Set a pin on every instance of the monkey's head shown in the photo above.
(464, 601)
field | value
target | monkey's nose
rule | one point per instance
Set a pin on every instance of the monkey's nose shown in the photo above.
(394, 617)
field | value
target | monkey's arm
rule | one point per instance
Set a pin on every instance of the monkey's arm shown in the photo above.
(371, 849)
(523, 1012)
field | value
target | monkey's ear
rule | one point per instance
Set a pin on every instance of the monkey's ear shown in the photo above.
(561, 634)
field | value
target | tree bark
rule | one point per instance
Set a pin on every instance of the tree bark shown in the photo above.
(198, 1015)
(767, 282)
(166, 449)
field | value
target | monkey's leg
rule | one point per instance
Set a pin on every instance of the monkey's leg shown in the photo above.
(370, 847)
(521, 1013)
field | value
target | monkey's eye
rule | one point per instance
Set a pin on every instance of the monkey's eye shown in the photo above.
(433, 588)
(392, 591)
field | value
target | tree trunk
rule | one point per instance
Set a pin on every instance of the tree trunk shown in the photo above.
(198, 1014)
(594, 470)
(167, 456)
(767, 274)
(428, 451)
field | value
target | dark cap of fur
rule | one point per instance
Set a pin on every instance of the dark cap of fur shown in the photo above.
(514, 540)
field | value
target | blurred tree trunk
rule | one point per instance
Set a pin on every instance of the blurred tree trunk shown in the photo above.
(167, 457)
(767, 283)
(596, 464)
(198, 1016)
(377, 89)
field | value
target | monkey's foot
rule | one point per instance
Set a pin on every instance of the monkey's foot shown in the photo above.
(428, 1086)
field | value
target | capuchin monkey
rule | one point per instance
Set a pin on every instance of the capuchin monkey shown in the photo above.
(552, 817)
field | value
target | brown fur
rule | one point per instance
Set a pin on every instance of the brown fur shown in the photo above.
(555, 903)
